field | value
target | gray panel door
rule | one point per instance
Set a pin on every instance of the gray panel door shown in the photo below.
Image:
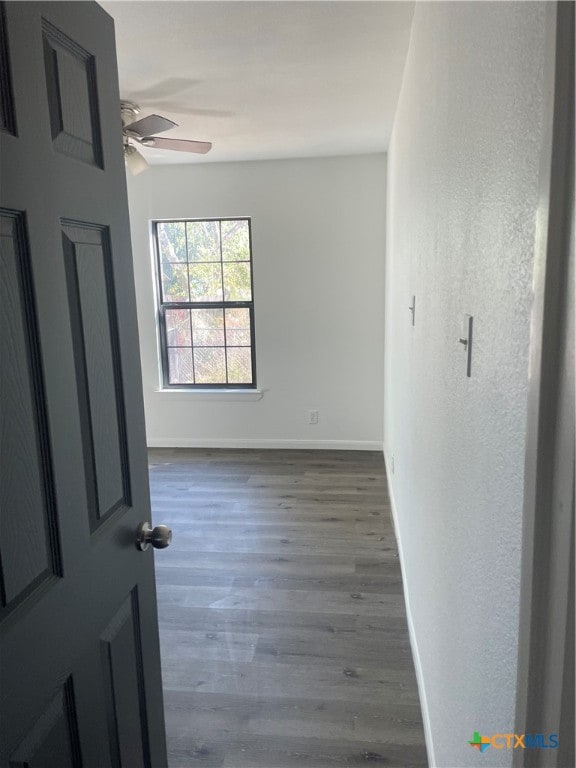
(80, 677)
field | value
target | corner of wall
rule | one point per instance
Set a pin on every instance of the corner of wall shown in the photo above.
(411, 630)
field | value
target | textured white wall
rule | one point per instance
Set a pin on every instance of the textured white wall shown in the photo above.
(462, 186)
(318, 243)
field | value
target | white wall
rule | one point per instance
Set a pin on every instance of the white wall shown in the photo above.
(318, 244)
(462, 185)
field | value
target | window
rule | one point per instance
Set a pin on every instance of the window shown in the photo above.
(206, 307)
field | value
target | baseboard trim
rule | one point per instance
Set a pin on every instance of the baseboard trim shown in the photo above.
(411, 629)
(317, 445)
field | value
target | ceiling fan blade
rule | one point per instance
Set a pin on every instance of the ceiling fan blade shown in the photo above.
(150, 124)
(134, 161)
(178, 145)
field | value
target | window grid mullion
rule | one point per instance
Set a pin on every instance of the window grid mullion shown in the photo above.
(192, 342)
(189, 298)
(164, 346)
(162, 313)
(252, 341)
(207, 305)
(223, 308)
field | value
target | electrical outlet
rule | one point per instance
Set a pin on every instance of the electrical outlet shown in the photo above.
(312, 417)
(392, 464)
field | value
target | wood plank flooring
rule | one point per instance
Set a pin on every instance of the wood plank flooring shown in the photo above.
(282, 620)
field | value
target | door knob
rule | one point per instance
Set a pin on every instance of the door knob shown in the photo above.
(160, 536)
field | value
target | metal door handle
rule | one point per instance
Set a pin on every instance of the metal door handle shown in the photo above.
(160, 536)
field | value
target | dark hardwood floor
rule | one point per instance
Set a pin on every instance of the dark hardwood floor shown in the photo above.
(282, 619)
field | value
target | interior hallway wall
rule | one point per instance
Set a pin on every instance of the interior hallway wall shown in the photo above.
(462, 200)
(318, 229)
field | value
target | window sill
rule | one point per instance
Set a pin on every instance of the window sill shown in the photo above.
(231, 395)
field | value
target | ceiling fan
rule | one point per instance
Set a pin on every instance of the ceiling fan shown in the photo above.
(140, 132)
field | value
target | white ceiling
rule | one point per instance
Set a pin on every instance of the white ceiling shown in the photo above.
(265, 79)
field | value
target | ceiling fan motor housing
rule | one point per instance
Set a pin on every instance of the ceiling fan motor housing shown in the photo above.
(128, 110)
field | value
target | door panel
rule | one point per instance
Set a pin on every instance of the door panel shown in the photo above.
(94, 328)
(7, 119)
(79, 651)
(29, 552)
(72, 98)
(53, 736)
(124, 672)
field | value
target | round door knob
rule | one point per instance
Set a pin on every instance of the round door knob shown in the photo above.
(160, 536)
